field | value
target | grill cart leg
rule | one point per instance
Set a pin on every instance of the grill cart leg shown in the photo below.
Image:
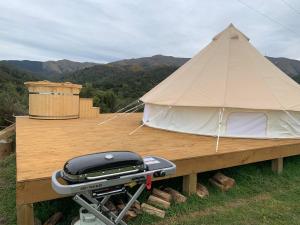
(103, 207)
(92, 210)
(114, 219)
(129, 204)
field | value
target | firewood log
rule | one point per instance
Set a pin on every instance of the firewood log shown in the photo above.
(158, 202)
(201, 191)
(161, 194)
(153, 211)
(136, 207)
(227, 182)
(120, 204)
(176, 196)
(217, 184)
(54, 219)
(130, 214)
(111, 206)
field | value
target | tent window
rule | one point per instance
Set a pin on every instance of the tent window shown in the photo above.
(250, 124)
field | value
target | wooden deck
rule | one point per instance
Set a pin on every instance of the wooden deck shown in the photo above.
(43, 146)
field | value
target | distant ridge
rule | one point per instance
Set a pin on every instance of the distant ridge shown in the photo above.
(53, 70)
(290, 66)
(153, 61)
(49, 68)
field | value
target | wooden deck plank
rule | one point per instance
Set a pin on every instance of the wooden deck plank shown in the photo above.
(43, 146)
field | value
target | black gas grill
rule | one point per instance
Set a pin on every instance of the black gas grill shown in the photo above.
(94, 178)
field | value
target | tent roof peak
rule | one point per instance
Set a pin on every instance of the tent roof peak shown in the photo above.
(232, 32)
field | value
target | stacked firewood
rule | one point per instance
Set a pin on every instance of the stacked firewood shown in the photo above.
(118, 205)
(160, 200)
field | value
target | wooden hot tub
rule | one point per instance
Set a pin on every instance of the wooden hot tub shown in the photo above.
(49, 100)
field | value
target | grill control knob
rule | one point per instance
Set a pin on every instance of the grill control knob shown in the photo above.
(109, 156)
(159, 174)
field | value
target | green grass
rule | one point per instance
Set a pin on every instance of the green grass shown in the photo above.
(8, 190)
(260, 197)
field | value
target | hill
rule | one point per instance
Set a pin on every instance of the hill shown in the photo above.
(114, 86)
(153, 61)
(49, 69)
(290, 66)
(10, 74)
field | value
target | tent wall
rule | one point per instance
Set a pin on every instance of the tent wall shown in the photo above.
(235, 122)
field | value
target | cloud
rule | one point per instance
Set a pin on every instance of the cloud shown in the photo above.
(104, 31)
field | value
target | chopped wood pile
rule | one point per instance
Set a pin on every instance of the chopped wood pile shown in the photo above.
(176, 196)
(159, 200)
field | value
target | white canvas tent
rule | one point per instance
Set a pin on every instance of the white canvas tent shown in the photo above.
(228, 89)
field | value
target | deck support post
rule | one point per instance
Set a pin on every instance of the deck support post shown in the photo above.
(25, 214)
(190, 183)
(277, 165)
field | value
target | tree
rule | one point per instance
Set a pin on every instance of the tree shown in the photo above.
(12, 103)
(106, 100)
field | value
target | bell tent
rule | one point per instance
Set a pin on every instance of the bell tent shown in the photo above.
(228, 89)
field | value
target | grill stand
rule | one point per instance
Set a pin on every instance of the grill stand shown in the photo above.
(99, 211)
(92, 197)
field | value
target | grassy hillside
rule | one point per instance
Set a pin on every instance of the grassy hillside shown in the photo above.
(115, 86)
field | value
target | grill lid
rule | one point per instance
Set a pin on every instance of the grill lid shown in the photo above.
(93, 163)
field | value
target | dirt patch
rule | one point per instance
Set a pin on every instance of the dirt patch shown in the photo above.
(216, 209)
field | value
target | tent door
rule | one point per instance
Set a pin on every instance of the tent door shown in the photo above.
(246, 124)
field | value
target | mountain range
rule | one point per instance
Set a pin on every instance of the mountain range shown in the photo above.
(53, 70)
(49, 68)
(290, 66)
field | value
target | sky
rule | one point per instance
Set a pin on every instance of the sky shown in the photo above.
(104, 31)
